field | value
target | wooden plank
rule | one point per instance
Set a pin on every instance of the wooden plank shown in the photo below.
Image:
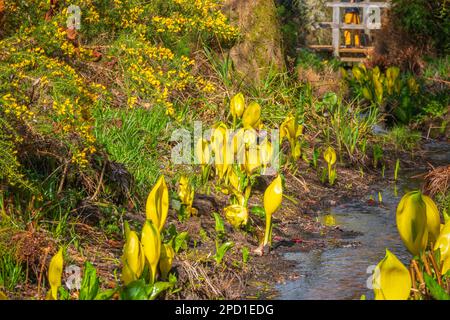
(322, 47)
(347, 26)
(364, 50)
(352, 59)
(358, 4)
(344, 26)
(335, 33)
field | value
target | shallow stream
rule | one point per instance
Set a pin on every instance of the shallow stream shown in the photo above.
(344, 272)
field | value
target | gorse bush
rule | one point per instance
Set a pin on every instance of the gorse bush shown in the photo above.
(126, 54)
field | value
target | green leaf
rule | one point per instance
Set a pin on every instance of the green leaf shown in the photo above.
(181, 241)
(106, 295)
(158, 288)
(136, 290)
(220, 227)
(63, 294)
(258, 211)
(446, 215)
(90, 283)
(222, 250)
(245, 254)
(435, 289)
(330, 98)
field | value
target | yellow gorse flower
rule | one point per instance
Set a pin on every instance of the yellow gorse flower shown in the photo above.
(55, 274)
(166, 259)
(237, 215)
(391, 279)
(237, 105)
(443, 244)
(411, 217)
(133, 259)
(151, 245)
(272, 201)
(252, 116)
(157, 206)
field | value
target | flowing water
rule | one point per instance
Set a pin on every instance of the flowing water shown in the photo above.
(344, 272)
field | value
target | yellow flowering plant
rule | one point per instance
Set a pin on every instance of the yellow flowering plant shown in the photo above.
(418, 221)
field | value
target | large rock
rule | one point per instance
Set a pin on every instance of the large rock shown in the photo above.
(259, 48)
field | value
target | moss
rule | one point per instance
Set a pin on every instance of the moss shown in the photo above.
(260, 48)
(265, 33)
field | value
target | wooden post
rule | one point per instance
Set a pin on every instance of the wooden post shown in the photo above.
(336, 35)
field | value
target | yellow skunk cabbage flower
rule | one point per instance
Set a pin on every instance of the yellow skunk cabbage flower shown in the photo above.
(222, 151)
(391, 279)
(413, 86)
(272, 201)
(433, 219)
(237, 105)
(186, 194)
(185, 191)
(219, 137)
(411, 220)
(251, 116)
(133, 259)
(265, 152)
(202, 152)
(252, 160)
(291, 130)
(166, 260)
(330, 156)
(151, 244)
(392, 73)
(357, 73)
(367, 94)
(378, 89)
(236, 215)
(443, 243)
(157, 205)
(234, 180)
(54, 274)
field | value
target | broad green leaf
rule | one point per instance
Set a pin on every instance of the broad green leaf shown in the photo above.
(90, 283)
(136, 290)
(435, 289)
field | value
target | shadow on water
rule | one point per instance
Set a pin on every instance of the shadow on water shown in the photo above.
(344, 272)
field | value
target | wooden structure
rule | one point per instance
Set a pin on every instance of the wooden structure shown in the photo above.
(370, 13)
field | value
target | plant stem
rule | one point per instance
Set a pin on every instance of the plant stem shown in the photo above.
(427, 266)
(413, 281)
(435, 267)
(419, 274)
